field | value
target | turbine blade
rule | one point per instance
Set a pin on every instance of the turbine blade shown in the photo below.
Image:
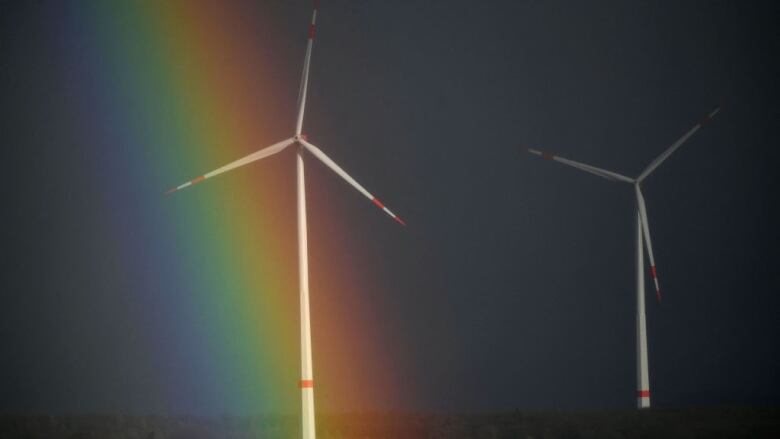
(305, 76)
(640, 201)
(257, 155)
(603, 173)
(316, 152)
(660, 159)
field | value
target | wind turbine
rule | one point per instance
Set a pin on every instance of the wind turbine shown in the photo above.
(299, 139)
(642, 228)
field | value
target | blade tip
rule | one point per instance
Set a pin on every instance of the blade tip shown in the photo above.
(399, 220)
(709, 116)
(543, 154)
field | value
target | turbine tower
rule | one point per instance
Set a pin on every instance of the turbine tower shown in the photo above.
(300, 141)
(642, 233)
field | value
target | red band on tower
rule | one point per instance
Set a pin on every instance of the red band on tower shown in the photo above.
(306, 384)
(643, 393)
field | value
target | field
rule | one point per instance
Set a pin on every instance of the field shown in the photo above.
(664, 423)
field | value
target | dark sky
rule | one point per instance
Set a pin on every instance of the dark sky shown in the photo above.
(515, 275)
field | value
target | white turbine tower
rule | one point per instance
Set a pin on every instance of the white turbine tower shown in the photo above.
(642, 228)
(299, 139)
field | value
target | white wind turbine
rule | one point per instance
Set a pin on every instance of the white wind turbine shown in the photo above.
(299, 139)
(642, 228)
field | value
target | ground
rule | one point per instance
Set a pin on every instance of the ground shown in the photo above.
(723, 422)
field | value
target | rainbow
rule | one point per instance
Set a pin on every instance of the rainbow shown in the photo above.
(168, 90)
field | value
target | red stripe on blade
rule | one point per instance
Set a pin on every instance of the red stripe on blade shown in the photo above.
(306, 384)
(643, 393)
(547, 155)
(171, 190)
(653, 272)
(658, 295)
(378, 203)
(311, 31)
(705, 120)
(197, 180)
(400, 221)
